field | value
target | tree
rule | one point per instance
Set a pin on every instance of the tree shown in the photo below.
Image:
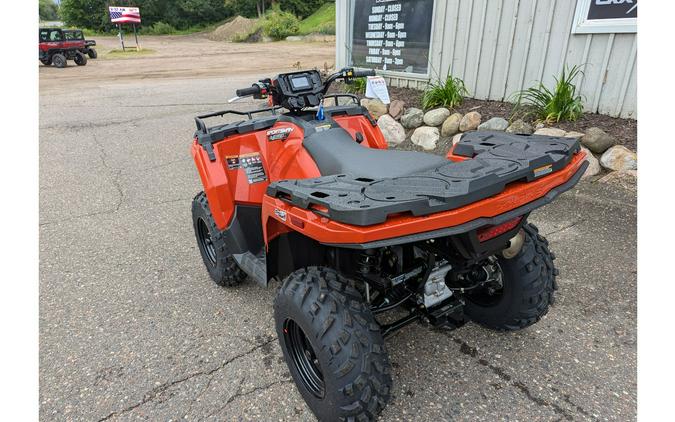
(91, 14)
(48, 10)
(181, 14)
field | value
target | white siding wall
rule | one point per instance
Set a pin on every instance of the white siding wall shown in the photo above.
(501, 46)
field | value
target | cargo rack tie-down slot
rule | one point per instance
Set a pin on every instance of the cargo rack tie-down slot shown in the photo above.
(206, 136)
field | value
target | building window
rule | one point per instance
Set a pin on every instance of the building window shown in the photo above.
(605, 16)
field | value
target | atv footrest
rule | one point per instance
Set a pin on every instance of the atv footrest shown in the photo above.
(494, 159)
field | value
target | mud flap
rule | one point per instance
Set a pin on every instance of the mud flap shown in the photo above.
(255, 267)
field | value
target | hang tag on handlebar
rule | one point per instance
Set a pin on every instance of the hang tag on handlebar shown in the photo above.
(319, 113)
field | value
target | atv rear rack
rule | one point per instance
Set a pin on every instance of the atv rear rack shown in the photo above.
(492, 160)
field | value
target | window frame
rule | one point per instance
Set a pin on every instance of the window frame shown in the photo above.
(582, 25)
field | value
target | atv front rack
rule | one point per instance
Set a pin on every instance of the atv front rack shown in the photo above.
(491, 161)
(207, 136)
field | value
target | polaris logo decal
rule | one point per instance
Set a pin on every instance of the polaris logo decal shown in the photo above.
(279, 134)
(281, 214)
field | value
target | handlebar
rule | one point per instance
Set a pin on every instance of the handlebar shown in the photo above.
(364, 73)
(253, 90)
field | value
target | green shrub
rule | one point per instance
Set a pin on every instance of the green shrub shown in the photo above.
(563, 103)
(161, 28)
(358, 86)
(279, 25)
(447, 93)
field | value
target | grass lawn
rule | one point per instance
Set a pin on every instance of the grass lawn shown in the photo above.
(321, 18)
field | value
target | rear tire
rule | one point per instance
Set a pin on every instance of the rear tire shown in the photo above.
(59, 60)
(332, 345)
(92, 53)
(80, 59)
(46, 62)
(529, 282)
(222, 267)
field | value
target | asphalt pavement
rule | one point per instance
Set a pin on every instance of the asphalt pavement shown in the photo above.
(132, 328)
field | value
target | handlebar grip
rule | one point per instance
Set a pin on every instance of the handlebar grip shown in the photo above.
(364, 73)
(253, 90)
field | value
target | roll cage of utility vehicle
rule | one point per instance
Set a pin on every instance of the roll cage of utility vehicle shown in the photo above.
(57, 45)
(358, 234)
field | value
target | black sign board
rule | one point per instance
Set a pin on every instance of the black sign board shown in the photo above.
(612, 9)
(392, 34)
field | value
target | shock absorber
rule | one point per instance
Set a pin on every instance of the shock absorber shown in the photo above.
(368, 262)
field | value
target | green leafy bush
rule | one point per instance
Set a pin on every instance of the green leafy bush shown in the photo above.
(279, 25)
(447, 93)
(358, 86)
(160, 28)
(563, 103)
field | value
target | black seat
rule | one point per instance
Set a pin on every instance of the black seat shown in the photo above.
(335, 152)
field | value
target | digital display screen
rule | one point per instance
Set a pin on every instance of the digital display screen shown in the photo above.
(300, 82)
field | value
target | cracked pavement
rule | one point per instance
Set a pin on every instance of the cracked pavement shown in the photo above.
(132, 328)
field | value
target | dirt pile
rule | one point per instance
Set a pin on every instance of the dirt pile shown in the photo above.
(239, 26)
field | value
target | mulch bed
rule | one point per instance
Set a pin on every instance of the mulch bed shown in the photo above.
(623, 130)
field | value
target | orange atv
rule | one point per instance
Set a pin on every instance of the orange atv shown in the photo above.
(311, 196)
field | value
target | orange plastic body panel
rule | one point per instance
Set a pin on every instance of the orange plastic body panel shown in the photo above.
(224, 187)
(373, 137)
(325, 230)
(281, 160)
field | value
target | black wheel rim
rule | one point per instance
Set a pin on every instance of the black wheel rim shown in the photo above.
(206, 242)
(304, 359)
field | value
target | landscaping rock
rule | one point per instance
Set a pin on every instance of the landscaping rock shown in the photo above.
(457, 138)
(470, 121)
(593, 164)
(426, 137)
(626, 179)
(375, 107)
(539, 126)
(495, 123)
(520, 127)
(550, 131)
(294, 38)
(597, 140)
(451, 125)
(412, 118)
(573, 134)
(396, 109)
(619, 158)
(436, 117)
(392, 130)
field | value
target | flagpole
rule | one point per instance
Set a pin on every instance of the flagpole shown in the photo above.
(138, 47)
(119, 26)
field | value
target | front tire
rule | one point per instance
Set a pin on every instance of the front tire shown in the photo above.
(80, 59)
(529, 282)
(220, 264)
(332, 345)
(92, 53)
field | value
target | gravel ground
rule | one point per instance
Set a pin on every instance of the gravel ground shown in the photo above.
(131, 327)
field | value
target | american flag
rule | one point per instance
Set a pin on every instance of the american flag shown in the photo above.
(125, 14)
